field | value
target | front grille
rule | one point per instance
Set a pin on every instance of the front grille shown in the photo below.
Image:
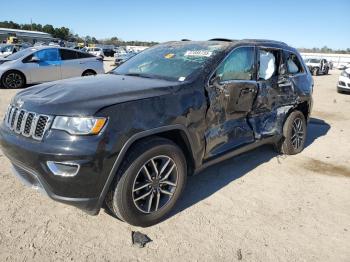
(28, 124)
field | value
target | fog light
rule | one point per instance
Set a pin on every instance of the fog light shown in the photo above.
(63, 168)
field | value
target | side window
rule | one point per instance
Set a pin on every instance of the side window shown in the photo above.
(84, 55)
(68, 54)
(48, 55)
(239, 65)
(268, 63)
(293, 64)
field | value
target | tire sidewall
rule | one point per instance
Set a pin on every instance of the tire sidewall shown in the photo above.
(123, 194)
(3, 82)
(287, 133)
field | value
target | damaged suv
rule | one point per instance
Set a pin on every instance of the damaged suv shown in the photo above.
(131, 137)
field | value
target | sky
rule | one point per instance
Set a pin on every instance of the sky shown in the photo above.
(300, 23)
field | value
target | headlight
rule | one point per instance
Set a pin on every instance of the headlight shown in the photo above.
(79, 125)
(344, 74)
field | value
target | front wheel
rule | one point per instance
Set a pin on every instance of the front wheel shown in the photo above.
(13, 80)
(316, 71)
(294, 134)
(152, 179)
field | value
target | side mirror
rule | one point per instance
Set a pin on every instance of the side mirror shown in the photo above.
(34, 59)
(215, 80)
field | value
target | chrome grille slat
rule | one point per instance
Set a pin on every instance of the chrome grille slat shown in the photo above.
(28, 124)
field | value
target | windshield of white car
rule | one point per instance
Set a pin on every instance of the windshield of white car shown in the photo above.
(311, 60)
(172, 61)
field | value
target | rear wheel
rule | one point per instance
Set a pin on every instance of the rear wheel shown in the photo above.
(294, 134)
(152, 180)
(316, 71)
(13, 80)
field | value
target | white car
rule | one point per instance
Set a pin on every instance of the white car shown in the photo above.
(42, 64)
(96, 51)
(344, 81)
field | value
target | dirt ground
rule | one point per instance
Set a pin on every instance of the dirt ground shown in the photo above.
(255, 207)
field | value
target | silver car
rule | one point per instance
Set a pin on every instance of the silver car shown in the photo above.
(42, 64)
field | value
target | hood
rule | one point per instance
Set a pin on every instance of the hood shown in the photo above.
(87, 95)
(3, 60)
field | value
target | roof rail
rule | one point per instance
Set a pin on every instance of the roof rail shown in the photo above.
(185, 40)
(221, 39)
(265, 41)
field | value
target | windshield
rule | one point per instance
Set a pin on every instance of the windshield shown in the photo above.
(313, 60)
(6, 48)
(21, 53)
(172, 61)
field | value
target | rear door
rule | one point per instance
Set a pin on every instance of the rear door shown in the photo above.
(275, 93)
(48, 68)
(71, 65)
(232, 90)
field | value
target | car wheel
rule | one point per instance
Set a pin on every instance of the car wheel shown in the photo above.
(326, 71)
(315, 71)
(13, 80)
(294, 134)
(89, 73)
(152, 179)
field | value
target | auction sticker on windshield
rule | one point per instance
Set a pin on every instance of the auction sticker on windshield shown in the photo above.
(199, 53)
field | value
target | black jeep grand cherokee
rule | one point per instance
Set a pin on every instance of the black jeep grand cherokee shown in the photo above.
(131, 137)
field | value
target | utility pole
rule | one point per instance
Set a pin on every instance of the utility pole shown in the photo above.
(31, 24)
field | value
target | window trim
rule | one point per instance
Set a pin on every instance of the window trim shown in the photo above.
(300, 61)
(226, 57)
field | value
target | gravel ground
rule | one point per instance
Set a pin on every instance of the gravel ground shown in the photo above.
(255, 207)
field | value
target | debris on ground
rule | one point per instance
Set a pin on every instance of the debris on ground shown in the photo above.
(139, 239)
(239, 254)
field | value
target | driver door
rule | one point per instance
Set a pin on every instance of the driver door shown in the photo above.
(47, 68)
(232, 90)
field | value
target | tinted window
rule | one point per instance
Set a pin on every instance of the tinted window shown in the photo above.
(239, 65)
(293, 64)
(84, 55)
(48, 55)
(68, 54)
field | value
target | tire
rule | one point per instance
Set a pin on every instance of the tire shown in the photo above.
(316, 71)
(89, 73)
(13, 80)
(326, 71)
(294, 134)
(125, 199)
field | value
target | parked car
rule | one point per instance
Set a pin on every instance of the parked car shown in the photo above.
(108, 51)
(122, 57)
(317, 66)
(8, 49)
(131, 137)
(96, 51)
(343, 66)
(344, 81)
(42, 64)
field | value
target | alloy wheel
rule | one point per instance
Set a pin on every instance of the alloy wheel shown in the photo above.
(297, 133)
(13, 80)
(155, 184)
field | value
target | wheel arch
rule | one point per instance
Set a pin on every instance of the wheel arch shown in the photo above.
(17, 71)
(89, 70)
(176, 133)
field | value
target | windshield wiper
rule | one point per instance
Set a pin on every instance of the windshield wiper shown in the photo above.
(139, 75)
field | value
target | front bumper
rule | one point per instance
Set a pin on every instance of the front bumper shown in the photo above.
(92, 153)
(343, 84)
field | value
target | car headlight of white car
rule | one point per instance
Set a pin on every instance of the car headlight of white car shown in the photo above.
(79, 125)
(344, 73)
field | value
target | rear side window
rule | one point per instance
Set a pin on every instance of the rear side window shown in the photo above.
(84, 55)
(239, 65)
(68, 54)
(293, 64)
